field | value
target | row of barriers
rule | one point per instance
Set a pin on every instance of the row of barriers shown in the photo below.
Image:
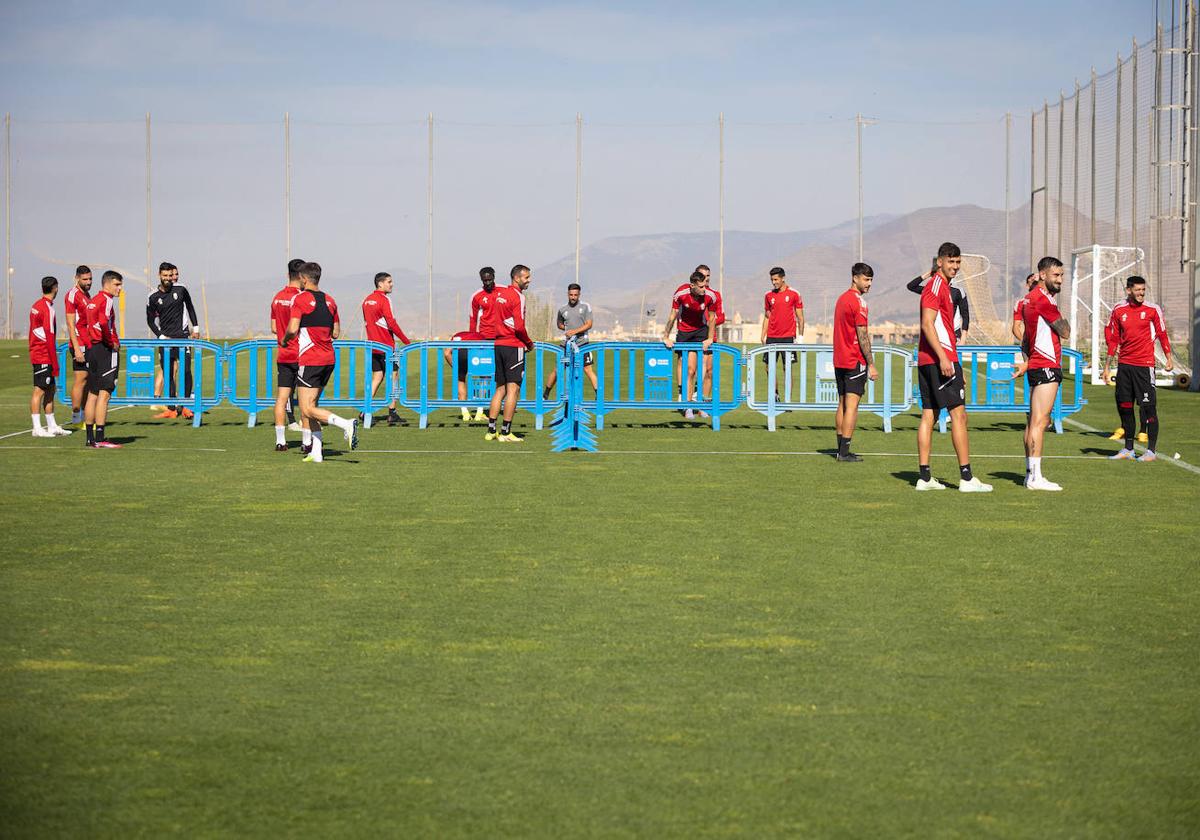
(429, 376)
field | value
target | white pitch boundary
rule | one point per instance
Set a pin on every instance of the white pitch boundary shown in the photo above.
(691, 452)
(137, 448)
(1175, 461)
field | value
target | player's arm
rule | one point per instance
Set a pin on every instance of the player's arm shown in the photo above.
(711, 319)
(1061, 326)
(150, 317)
(471, 323)
(864, 344)
(293, 330)
(336, 332)
(1112, 337)
(47, 326)
(191, 310)
(914, 285)
(519, 327)
(800, 323)
(392, 324)
(72, 341)
(1018, 328)
(929, 330)
(1161, 328)
(964, 309)
(582, 328)
(667, 340)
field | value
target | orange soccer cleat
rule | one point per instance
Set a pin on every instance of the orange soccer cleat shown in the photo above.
(166, 414)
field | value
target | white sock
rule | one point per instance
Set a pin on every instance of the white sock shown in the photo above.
(317, 445)
(51, 423)
(37, 422)
(340, 422)
(1035, 468)
(306, 437)
(280, 437)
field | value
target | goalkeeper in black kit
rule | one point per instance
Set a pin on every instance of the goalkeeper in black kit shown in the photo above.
(171, 315)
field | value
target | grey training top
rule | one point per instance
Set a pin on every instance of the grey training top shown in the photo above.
(574, 317)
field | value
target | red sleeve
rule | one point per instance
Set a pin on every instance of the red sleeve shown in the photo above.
(332, 304)
(860, 318)
(767, 303)
(929, 300)
(675, 301)
(391, 322)
(302, 304)
(1162, 331)
(518, 316)
(1049, 309)
(474, 312)
(799, 302)
(1112, 333)
(48, 327)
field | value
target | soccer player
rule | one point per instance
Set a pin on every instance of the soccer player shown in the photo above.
(512, 341)
(315, 322)
(77, 337)
(1018, 317)
(853, 361)
(382, 328)
(460, 370)
(171, 315)
(694, 306)
(783, 318)
(719, 309)
(103, 358)
(480, 319)
(1045, 328)
(962, 310)
(574, 319)
(1129, 336)
(43, 355)
(287, 357)
(940, 375)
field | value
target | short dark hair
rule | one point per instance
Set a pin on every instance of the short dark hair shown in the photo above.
(111, 275)
(311, 271)
(778, 271)
(861, 269)
(1135, 280)
(696, 277)
(517, 269)
(49, 284)
(949, 249)
(294, 267)
(380, 277)
(1048, 262)
(1032, 274)
(82, 270)
(166, 266)
(574, 287)
(487, 273)
(703, 267)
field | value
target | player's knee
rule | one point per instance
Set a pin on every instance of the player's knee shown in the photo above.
(1150, 418)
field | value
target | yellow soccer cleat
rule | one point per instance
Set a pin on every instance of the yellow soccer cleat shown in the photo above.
(1143, 437)
(491, 436)
(510, 438)
(1119, 434)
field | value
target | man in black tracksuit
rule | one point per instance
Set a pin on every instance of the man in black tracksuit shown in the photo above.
(170, 315)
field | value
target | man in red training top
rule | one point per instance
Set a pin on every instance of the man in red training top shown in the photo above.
(316, 324)
(695, 307)
(1129, 336)
(43, 355)
(103, 358)
(383, 329)
(1018, 316)
(783, 320)
(286, 356)
(75, 304)
(1045, 328)
(512, 341)
(853, 361)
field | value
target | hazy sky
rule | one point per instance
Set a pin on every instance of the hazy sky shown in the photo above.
(504, 81)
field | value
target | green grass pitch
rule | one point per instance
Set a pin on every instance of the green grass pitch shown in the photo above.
(688, 634)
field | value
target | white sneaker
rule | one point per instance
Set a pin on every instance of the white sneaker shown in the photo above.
(480, 416)
(689, 415)
(466, 416)
(702, 413)
(931, 484)
(1042, 483)
(59, 431)
(295, 427)
(43, 433)
(974, 486)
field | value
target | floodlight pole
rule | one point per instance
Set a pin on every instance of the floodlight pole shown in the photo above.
(578, 187)
(287, 185)
(721, 203)
(1007, 200)
(429, 204)
(8, 270)
(860, 121)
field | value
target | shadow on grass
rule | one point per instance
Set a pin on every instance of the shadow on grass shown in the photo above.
(907, 476)
(1015, 478)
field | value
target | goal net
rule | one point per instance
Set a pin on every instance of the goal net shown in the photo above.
(1096, 285)
(987, 327)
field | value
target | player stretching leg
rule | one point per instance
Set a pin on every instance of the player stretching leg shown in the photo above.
(512, 342)
(1045, 329)
(43, 355)
(315, 322)
(1129, 335)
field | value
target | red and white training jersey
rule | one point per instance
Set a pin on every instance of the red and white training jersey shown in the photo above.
(75, 303)
(693, 311)
(1045, 347)
(467, 335)
(481, 314)
(318, 316)
(1131, 331)
(42, 349)
(849, 313)
(718, 308)
(780, 309)
(102, 321)
(508, 318)
(936, 295)
(281, 314)
(1019, 309)
(381, 326)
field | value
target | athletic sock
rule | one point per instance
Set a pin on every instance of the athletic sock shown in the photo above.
(845, 450)
(291, 418)
(51, 423)
(965, 471)
(840, 439)
(1152, 433)
(317, 445)
(280, 437)
(306, 437)
(91, 433)
(37, 422)
(926, 475)
(99, 433)
(506, 429)
(1035, 468)
(491, 425)
(1126, 414)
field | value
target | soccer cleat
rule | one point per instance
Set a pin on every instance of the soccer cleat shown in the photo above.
(39, 432)
(187, 414)
(90, 444)
(689, 414)
(701, 413)
(59, 431)
(1119, 434)
(1042, 483)
(395, 419)
(480, 416)
(311, 458)
(1147, 456)
(491, 436)
(852, 457)
(510, 438)
(931, 484)
(166, 414)
(295, 427)
(974, 486)
(466, 416)
(1143, 437)
(281, 447)
(1123, 455)
(352, 435)
(107, 444)
(305, 448)
(158, 407)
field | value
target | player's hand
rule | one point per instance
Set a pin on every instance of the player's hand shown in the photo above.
(1170, 363)
(79, 354)
(1020, 369)
(946, 367)
(872, 373)
(669, 342)
(1106, 375)
(707, 343)
(529, 347)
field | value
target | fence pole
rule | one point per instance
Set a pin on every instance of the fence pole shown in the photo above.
(721, 203)
(1133, 173)
(429, 204)
(1045, 179)
(1007, 209)
(287, 185)
(1093, 155)
(1062, 122)
(1155, 157)
(578, 186)
(1117, 158)
(1075, 172)
(149, 228)
(8, 269)
(1032, 179)
(858, 122)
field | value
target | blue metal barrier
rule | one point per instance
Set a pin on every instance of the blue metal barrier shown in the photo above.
(436, 385)
(890, 396)
(250, 376)
(622, 365)
(989, 386)
(571, 421)
(208, 387)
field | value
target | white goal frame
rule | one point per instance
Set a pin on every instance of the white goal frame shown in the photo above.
(1085, 292)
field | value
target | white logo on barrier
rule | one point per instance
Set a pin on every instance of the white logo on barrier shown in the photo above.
(134, 358)
(479, 360)
(652, 362)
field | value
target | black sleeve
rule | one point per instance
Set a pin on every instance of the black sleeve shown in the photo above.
(915, 284)
(191, 310)
(150, 315)
(964, 309)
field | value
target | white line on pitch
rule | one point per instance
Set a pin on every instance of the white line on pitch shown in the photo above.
(133, 446)
(1175, 461)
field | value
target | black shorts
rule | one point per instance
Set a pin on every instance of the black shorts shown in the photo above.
(379, 363)
(1043, 376)
(285, 374)
(104, 365)
(851, 380)
(460, 368)
(938, 391)
(693, 337)
(779, 356)
(314, 376)
(43, 378)
(510, 365)
(77, 366)
(170, 355)
(1135, 384)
